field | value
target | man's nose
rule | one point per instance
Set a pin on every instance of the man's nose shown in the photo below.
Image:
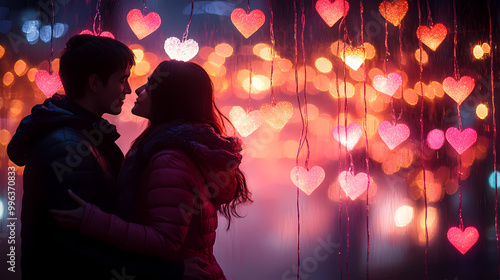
(128, 89)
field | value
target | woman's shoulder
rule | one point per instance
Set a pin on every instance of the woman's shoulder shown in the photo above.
(171, 158)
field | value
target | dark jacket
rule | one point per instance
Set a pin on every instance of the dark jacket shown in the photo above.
(64, 146)
(186, 172)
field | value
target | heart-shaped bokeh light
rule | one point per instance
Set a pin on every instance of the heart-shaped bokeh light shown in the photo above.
(354, 132)
(435, 139)
(432, 36)
(278, 115)
(245, 123)
(332, 11)
(247, 24)
(142, 25)
(183, 51)
(388, 85)
(354, 57)
(393, 135)
(394, 12)
(306, 180)
(461, 140)
(463, 240)
(353, 186)
(102, 34)
(459, 90)
(49, 84)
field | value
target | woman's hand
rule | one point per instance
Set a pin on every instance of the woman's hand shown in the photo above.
(193, 269)
(70, 219)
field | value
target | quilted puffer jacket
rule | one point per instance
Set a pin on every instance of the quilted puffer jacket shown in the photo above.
(186, 171)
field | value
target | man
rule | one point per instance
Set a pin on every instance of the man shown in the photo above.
(66, 144)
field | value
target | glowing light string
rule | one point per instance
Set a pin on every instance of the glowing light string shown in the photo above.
(494, 135)
(185, 35)
(422, 142)
(365, 126)
(51, 37)
(298, 152)
(97, 19)
(273, 52)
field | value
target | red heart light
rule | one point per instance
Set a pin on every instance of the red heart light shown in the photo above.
(49, 84)
(103, 34)
(245, 123)
(463, 240)
(433, 36)
(461, 140)
(278, 115)
(353, 186)
(393, 135)
(387, 85)
(141, 25)
(353, 134)
(394, 12)
(306, 180)
(330, 11)
(247, 24)
(183, 51)
(435, 139)
(459, 90)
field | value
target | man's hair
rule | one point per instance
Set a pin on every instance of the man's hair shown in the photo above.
(85, 55)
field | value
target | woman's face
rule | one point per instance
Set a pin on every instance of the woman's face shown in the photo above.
(142, 105)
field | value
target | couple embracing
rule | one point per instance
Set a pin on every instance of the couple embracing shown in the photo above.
(88, 211)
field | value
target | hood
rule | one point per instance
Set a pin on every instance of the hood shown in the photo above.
(217, 156)
(55, 112)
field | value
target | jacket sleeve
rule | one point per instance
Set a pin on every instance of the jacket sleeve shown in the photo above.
(170, 195)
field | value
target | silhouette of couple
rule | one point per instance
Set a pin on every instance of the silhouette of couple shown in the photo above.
(88, 212)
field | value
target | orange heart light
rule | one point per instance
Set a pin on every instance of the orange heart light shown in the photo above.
(354, 57)
(278, 115)
(183, 51)
(141, 25)
(459, 90)
(433, 36)
(463, 240)
(49, 84)
(307, 180)
(353, 186)
(102, 34)
(330, 11)
(246, 23)
(394, 12)
(245, 123)
(389, 84)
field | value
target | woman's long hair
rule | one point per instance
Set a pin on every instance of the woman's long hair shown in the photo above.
(183, 90)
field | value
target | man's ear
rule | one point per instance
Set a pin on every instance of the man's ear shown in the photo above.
(95, 82)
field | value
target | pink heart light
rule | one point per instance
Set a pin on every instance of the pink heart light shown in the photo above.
(353, 134)
(277, 116)
(103, 34)
(387, 85)
(49, 84)
(461, 140)
(433, 36)
(393, 135)
(183, 51)
(353, 186)
(305, 180)
(435, 139)
(141, 25)
(245, 123)
(459, 90)
(247, 24)
(463, 240)
(330, 11)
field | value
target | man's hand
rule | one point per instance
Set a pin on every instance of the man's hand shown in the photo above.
(70, 219)
(193, 269)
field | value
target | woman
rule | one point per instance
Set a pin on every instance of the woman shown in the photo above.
(179, 173)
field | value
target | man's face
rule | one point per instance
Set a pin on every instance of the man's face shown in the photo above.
(115, 91)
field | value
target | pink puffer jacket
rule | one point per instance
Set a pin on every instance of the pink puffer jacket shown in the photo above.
(177, 208)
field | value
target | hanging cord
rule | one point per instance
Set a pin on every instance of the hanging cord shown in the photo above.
(185, 35)
(298, 152)
(51, 38)
(365, 127)
(273, 52)
(97, 19)
(429, 17)
(494, 135)
(144, 7)
(422, 144)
